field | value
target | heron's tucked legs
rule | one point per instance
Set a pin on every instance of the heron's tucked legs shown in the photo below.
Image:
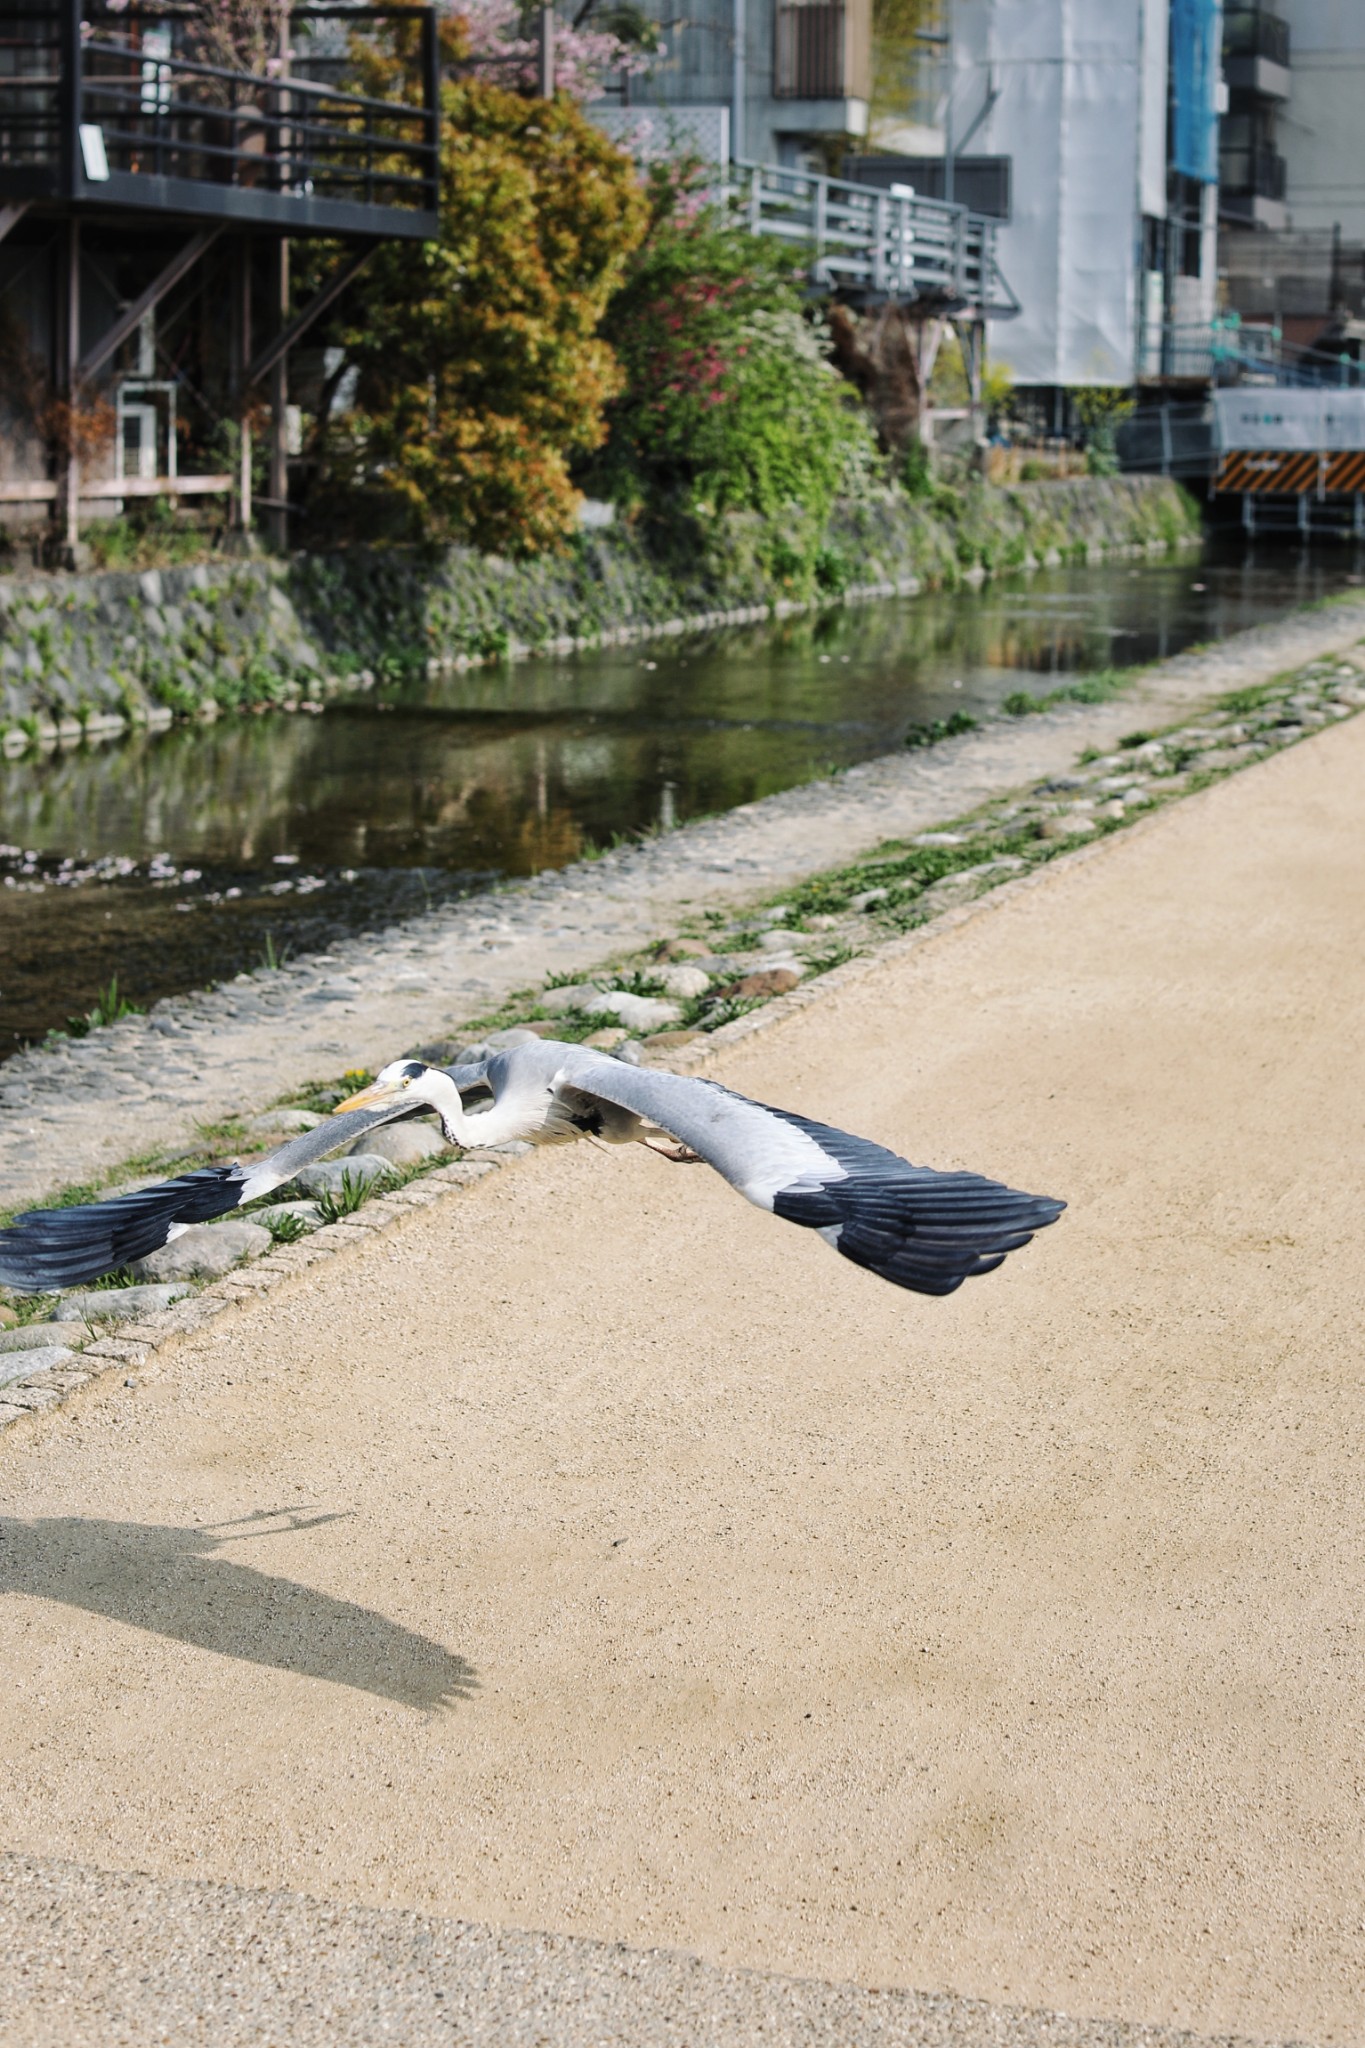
(680, 1155)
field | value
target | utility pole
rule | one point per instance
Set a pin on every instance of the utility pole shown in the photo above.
(738, 83)
(279, 400)
(279, 313)
(547, 53)
(943, 38)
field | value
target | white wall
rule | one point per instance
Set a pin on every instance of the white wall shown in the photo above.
(1073, 76)
(1154, 30)
(1322, 130)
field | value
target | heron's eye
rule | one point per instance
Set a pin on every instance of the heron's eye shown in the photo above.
(407, 1080)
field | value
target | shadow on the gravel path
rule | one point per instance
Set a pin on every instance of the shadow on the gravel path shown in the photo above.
(167, 1580)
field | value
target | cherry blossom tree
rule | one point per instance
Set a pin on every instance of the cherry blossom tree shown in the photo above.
(591, 45)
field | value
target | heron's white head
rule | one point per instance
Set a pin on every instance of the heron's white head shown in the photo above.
(413, 1084)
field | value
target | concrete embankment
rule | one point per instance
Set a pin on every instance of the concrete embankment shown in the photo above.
(89, 655)
(75, 1110)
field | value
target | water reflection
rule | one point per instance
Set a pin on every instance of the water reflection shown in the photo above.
(381, 806)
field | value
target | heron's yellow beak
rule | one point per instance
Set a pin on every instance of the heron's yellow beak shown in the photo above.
(371, 1097)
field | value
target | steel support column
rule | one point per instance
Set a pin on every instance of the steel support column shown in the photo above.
(279, 401)
(68, 383)
(242, 509)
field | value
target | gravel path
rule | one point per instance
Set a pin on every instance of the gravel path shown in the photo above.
(90, 1959)
(594, 1553)
(69, 1113)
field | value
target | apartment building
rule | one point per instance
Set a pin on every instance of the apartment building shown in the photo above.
(764, 81)
(1292, 172)
(1319, 129)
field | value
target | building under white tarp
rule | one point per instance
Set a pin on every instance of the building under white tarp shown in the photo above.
(1108, 110)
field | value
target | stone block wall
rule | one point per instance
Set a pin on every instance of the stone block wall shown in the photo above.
(90, 654)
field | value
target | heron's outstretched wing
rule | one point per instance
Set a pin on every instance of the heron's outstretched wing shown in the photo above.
(48, 1249)
(917, 1228)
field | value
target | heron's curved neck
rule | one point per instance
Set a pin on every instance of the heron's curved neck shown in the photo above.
(490, 1127)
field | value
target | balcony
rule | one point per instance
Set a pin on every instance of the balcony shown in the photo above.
(822, 50)
(1256, 53)
(1250, 32)
(119, 112)
(1255, 173)
(1251, 186)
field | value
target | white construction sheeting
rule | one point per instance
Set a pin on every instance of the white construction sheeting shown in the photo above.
(1155, 33)
(1275, 418)
(1073, 78)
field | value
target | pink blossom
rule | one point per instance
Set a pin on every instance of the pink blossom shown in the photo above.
(583, 56)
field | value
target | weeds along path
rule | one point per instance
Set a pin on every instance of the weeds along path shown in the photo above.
(72, 1112)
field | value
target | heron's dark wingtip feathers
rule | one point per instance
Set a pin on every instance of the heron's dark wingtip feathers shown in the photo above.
(48, 1249)
(917, 1228)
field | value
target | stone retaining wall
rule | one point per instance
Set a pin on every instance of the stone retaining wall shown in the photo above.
(90, 654)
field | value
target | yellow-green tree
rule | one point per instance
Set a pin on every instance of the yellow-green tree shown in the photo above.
(481, 374)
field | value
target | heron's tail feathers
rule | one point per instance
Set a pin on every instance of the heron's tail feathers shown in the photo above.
(48, 1249)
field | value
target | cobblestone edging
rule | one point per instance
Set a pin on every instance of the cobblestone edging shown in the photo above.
(1103, 795)
(129, 1346)
(84, 657)
(73, 1112)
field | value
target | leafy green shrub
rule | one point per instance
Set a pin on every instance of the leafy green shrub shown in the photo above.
(286, 1229)
(481, 372)
(936, 729)
(730, 400)
(917, 474)
(833, 571)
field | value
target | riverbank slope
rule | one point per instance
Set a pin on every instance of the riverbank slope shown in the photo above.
(89, 655)
(71, 1111)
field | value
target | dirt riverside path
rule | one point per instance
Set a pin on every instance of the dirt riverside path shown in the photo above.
(671, 1581)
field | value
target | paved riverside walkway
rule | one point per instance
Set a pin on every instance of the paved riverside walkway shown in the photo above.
(597, 1555)
(71, 1113)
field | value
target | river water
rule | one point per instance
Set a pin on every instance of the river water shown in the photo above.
(179, 858)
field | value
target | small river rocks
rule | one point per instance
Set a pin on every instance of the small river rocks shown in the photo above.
(205, 1251)
(117, 1304)
(76, 1110)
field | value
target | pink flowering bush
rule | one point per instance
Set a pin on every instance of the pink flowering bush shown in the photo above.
(731, 402)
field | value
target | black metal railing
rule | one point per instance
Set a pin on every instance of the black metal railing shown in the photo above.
(1255, 173)
(97, 100)
(1249, 32)
(31, 53)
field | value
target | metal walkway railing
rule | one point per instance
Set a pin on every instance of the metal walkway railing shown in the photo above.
(878, 245)
(1232, 351)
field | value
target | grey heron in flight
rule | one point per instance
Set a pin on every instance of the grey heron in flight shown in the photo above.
(918, 1228)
